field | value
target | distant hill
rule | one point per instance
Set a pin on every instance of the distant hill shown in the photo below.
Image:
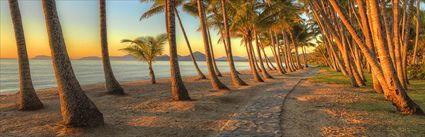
(125, 57)
(41, 57)
(199, 56)
(235, 58)
(90, 58)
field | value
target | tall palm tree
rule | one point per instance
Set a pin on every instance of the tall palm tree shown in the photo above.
(266, 75)
(112, 85)
(179, 91)
(76, 108)
(147, 49)
(385, 71)
(215, 82)
(236, 80)
(158, 7)
(28, 98)
(243, 24)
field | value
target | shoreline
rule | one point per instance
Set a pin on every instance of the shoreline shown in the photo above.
(89, 86)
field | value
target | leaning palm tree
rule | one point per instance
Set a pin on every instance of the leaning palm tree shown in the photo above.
(215, 82)
(158, 7)
(236, 80)
(28, 97)
(147, 49)
(179, 91)
(76, 108)
(111, 83)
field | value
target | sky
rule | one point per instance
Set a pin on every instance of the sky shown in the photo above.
(80, 25)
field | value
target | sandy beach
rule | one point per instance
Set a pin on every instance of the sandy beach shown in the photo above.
(146, 110)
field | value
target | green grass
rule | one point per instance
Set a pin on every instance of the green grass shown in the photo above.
(382, 112)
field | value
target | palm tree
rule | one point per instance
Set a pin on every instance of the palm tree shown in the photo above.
(28, 98)
(243, 24)
(111, 83)
(179, 91)
(76, 108)
(147, 49)
(237, 81)
(266, 75)
(158, 7)
(385, 71)
(215, 82)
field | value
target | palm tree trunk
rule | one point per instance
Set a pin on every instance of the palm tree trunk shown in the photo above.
(404, 80)
(369, 42)
(287, 51)
(386, 73)
(28, 98)
(76, 108)
(178, 89)
(236, 80)
(152, 73)
(297, 57)
(200, 74)
(215, 82)
(331, 47)
(252, 60)
(396, 33)
(268, 62)
(276, 56)
(212, 51)
(304, 59)
(387, 30)
(263, 69)
(417, 32)
(111, 84)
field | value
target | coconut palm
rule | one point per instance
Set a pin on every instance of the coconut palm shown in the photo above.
(215, 82)
(243, 25)
(158, 7)
(28, 98)
(112, 85)
(147, 49)
(218, 21)
(178, 89)
(76, 108)
(384, 70)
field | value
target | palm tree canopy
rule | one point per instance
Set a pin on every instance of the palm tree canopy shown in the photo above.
(146, 48)
(157, 7)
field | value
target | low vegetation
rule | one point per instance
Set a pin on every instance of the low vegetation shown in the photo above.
(371, 110)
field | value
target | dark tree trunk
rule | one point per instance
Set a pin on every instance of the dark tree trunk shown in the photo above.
(76, 108)
(178, 90)
(252, 60)
(28, 98)
(304, 58)
(152, 73)
(215, 82)
(266, 75)
(217, 71)
(236, 80)
(200, 74)
(275, 44)
(112, 85)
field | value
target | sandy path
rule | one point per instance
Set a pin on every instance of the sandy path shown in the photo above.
(316, 109)
(261, 117)
(148, 111)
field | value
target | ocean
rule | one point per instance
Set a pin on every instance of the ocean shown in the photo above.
(91, 71)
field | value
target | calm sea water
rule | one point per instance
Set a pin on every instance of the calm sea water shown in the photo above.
(91, 71)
